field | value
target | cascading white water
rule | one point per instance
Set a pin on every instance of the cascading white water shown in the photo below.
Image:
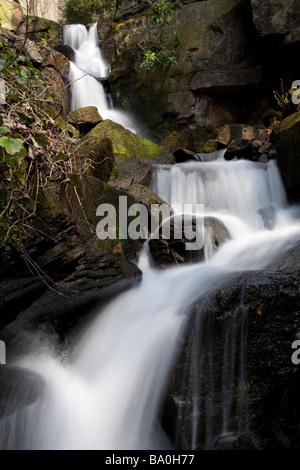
(108, 396)
(240, 188)
(89, 66)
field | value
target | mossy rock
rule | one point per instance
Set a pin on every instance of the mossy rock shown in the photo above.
(287, 143)
(48, 203)
(128, 148)
(92, 194)
(67, 127)
(96, 153)
(270, 115)
(84, 119)
(42, 30)
(11, 15)
(210, 146)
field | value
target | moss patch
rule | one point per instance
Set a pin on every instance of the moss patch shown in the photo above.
(287, 143)
(126, 144)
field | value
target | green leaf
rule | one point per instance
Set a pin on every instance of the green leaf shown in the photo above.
(75, 180)
(13, 96)
(4, 130)
(12, 160)
(24, 166)
(62, 157)
(41, 141)
(19, 175)
(12, 146)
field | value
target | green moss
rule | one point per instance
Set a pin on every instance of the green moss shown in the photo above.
(126, 144)
(287, 143)
(45, 31)
(48, 205)
(70, 130)
(210, 146)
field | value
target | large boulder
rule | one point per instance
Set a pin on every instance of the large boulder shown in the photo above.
(235, 385)
(133, 154)
(41, 30)
(84, 119)
(287, 143)
(173, 251)
(11, 15)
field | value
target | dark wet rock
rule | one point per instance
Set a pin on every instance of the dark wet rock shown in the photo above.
(18, 388)
(184, 155)
(239, 148)
(175, 250)
(240, 339)
(266, 148)
(288, 262)
(129, 8)
(263, 158)
(67, 51)
(272, 154)
(271, 17)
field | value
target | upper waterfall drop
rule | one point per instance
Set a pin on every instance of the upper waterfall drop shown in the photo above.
(88, 55)
(87, 72)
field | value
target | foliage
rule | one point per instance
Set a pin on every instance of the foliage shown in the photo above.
(154, 55)
(161, 12)
(282, 97)
(156, 52)
(32, 148)
(86, 11)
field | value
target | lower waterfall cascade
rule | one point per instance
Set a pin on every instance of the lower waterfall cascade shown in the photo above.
(107, 396)
(106, 391)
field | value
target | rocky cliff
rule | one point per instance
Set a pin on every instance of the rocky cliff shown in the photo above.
(231, 56)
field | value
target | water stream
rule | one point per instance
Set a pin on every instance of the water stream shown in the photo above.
(87, 73)
(108, 395)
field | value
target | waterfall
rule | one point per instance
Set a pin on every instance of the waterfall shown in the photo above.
(87, 73)
(109, 394)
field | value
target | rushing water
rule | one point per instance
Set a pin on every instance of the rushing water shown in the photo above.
(108, 394)
(89, 66)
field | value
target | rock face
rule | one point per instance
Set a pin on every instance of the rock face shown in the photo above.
(224, 57)
(11, 15)
(42, 30)
(126, 9)
(273, 17)
(218, 33)
(240, 340)
(287, 142)
(41, 8)
(74, 270)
